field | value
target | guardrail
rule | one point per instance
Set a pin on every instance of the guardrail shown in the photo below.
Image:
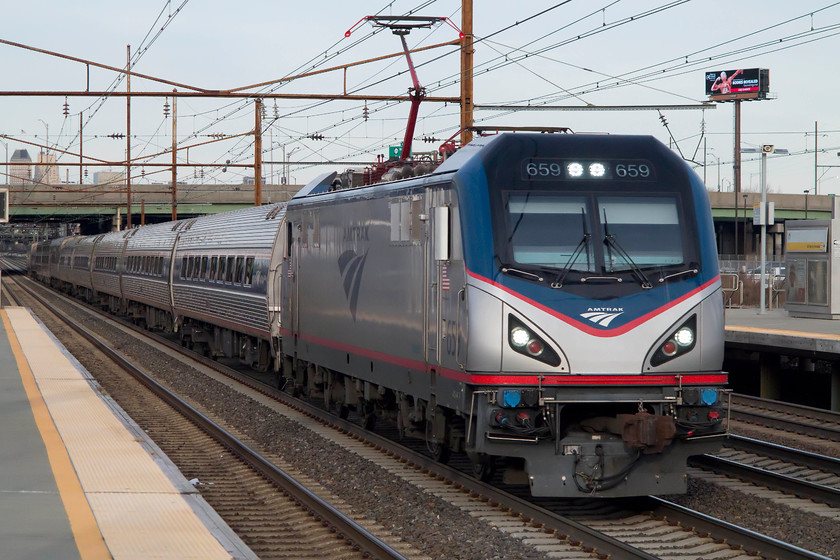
(731, 285)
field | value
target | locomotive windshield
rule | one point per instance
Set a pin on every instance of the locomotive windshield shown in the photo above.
(646, 228)
(549, 230)
(576, 238)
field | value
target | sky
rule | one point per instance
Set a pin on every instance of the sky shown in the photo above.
(557, 53)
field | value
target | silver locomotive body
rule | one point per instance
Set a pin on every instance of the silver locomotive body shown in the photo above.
(457, 305)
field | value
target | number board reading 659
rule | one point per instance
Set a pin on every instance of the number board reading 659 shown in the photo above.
(545, 169)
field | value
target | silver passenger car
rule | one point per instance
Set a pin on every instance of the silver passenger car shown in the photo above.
(106, 268)
(220, 278)
(146, 272)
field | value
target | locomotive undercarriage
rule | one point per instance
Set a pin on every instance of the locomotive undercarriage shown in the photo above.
(441, 428)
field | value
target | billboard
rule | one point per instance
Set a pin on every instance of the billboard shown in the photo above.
(749, 83)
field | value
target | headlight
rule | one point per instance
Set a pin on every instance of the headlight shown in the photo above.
(684, 336)
(519, 337)
(524, 341)
(681, 341)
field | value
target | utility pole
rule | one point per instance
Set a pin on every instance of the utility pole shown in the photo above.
(81, 147)
(257, 152)
(466, 71)
(174, 161)
(736, 165)
(128, 137)
(816, 140)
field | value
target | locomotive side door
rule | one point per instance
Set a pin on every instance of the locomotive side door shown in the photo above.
(294, 278)
(444, 279)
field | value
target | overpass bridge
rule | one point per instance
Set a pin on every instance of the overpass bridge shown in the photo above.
(102, 208)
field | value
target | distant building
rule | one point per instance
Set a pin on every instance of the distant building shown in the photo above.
(46, 171)
(20, 174)
(109, 177)
(250, 180)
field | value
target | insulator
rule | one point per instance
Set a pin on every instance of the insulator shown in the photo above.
(66, 107)
(166, 109)
(365, 112)
(276, 111)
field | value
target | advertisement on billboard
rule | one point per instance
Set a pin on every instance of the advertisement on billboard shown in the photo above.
(737, 81)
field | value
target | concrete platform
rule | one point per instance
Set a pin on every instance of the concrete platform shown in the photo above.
(80, 480)
(774, 334)
(776, 331)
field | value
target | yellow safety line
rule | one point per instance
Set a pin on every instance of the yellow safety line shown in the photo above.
(821, 336)
(86, 532)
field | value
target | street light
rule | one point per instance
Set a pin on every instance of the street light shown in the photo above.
(718, 169)
(286, 158)
(765, 149)
(6, 145)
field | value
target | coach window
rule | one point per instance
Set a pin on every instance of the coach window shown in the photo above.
(204, 267)
(230, 265)
(222, 269)
(183, 267)
(160, 265)
(240, 269)
(214, 263)
(249, 270)
(190, 267)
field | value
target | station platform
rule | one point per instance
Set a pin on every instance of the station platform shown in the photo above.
(774, 334)
(747, 328)
(78, 479)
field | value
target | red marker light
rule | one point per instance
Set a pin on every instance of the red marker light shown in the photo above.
(669, 348)
(535, 348)
(714, 415)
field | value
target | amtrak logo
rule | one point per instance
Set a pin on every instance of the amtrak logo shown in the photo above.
(602, 316)
(351, 267)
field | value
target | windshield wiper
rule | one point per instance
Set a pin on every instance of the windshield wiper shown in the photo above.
(583, 244)
(611, 241)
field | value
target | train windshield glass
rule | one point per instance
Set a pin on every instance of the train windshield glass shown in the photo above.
(548, 230)
(596, 233)
(644, 230)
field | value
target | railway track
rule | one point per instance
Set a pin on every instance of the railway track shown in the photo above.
(266, 506)
(792, 471)
(645, 529)
(793, 418)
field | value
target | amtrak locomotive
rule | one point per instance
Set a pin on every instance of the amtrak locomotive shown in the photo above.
(549, 304)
